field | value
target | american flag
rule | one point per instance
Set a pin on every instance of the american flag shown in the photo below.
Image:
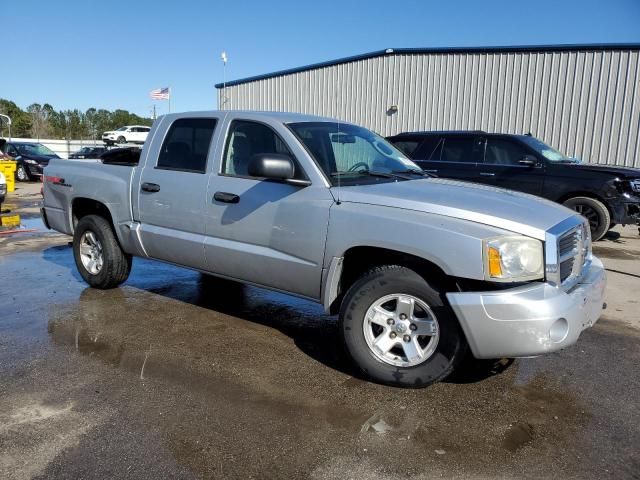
(160, 93)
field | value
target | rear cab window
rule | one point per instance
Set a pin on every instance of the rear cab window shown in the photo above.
(186, 146)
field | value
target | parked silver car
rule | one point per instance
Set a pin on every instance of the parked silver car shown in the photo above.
(419, 269)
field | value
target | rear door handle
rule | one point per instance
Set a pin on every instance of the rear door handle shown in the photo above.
(431, 171)
(226, 197)
(487, 174)
(150, 187)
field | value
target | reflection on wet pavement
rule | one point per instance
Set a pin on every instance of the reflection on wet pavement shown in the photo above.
(236, 381)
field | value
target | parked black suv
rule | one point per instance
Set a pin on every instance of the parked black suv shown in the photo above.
(606, 195)
(88, 152)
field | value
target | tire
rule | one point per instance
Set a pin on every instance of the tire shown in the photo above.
(114, 265)
(594, 211)
(443, 348)
(121, 140)
(21, 174)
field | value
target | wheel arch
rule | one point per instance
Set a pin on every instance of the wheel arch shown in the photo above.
(584, 193)
(83, 206)
(357, 260)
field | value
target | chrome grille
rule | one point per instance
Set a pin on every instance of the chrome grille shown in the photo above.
(566, 269)
(571, 246)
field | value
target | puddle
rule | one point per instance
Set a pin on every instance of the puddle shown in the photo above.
(10, 223)
(217, 368)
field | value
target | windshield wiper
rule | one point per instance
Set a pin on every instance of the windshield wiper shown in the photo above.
(366, 173)
(413, 171)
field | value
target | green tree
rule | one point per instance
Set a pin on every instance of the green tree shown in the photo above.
(43, 121)
(20, 120)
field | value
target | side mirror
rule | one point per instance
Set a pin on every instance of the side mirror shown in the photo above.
(528, 161)
(272, 165)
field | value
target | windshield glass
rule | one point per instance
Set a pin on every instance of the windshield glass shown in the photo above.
(546, 151)
(344, 150)
(121, 129)
(33, 149)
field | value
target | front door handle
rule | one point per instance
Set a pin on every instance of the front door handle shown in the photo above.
(150, 187)
(487, 174)
(226, 197)
(431, 171)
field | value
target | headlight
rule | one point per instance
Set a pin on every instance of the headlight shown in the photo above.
(513, 259)
(32, 162)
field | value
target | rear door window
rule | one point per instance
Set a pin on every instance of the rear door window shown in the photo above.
(408, 146)
(429, 149)
(186, 145)
(457, 149)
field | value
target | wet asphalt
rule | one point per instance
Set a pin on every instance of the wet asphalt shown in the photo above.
(177, 375)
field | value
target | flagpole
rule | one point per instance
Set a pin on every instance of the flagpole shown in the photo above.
(223, 56)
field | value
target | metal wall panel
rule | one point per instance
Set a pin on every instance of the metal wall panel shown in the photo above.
(584, 103)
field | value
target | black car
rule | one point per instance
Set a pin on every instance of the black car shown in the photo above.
(605, 195)
(31, 158)
(88, 152)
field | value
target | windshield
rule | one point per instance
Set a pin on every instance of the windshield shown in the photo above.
(121, 129)
(546, 151)
(33, 149)
(344, 151)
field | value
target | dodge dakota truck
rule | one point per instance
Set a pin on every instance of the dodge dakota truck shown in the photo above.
(419, 269)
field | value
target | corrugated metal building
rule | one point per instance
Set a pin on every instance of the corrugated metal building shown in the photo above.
(582, 99)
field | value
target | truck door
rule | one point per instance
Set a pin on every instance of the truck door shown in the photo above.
(172, 192)
(510, 164)
(262, 231)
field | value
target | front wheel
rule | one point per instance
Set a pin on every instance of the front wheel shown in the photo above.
(122, 140)
(398, 329)
(594, 211)
(21, 174)
(99, 258)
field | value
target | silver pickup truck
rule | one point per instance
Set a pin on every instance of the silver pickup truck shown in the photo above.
(419, 269)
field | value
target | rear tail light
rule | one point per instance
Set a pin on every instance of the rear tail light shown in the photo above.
(56, 180)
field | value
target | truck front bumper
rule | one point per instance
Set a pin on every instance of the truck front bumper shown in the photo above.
(532, 319)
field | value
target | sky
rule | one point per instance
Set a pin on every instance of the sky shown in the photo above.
(84, 53)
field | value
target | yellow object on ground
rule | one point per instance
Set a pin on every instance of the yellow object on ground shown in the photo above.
(10, 220)
(8, 167)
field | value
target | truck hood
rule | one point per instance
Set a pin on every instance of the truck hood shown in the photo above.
(505, 209)
(622, 172)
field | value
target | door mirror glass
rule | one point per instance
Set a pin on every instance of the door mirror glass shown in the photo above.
(272, 165)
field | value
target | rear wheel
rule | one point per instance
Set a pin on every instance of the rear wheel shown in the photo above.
(398, 329)
(594, 211)
(98, 256)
